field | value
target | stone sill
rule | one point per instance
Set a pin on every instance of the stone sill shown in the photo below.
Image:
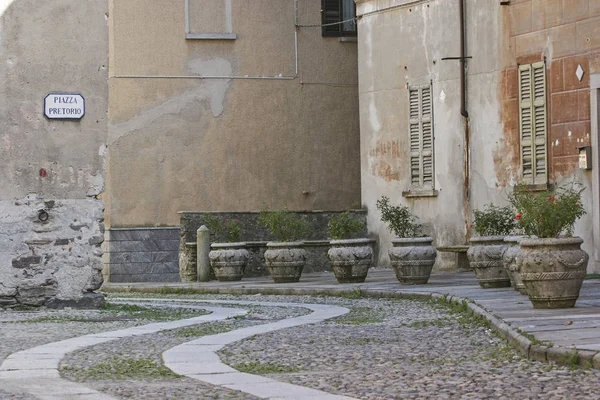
(534, 188)
(420, 193)
(348, 39)
(210, 36)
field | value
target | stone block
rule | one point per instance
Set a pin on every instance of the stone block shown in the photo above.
(594, 8)
(546, 13)
(164, 256)
(530, 44)
(87, 301)
(556, 76)
(520, 19)
(538, 353)
(141, 257)
(586, 358)
(512, 84)
(588, 34)
(564, 107)
(564, 40)
(583, 105)
(575, 10)
(570, 76)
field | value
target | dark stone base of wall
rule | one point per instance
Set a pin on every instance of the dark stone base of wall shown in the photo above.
(141, 255)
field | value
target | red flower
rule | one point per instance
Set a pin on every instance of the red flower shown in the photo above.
(518, 216)
(552, 198)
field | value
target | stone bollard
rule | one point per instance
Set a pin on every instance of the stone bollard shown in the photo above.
(203, 248)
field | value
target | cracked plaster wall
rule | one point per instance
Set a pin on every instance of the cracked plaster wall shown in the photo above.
(59, 166)
(430, 31)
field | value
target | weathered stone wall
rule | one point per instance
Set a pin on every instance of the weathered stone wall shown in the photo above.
(56, 262)
(476, 160)
(52, 165)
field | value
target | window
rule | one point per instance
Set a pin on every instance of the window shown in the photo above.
(208, 19)
(335, 11)
(421, 138)
(533, 123)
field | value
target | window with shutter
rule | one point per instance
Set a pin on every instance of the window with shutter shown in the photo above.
(337, 17)
(533, 123)
(421, 138)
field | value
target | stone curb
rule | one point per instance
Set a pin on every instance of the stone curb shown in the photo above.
(528, 348)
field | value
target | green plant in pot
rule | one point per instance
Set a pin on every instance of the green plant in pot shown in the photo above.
(285, 257)
(486, 250)
(412, 255)
(350, 257)
(552, 264)
(228, 259)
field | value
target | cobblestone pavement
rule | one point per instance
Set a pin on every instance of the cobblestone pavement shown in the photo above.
(382, 349)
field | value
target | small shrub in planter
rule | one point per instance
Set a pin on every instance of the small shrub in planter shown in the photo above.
(285, 258)
(411, 256)
(228, 260)
(350, 258)
(492, 224)
(551, 263)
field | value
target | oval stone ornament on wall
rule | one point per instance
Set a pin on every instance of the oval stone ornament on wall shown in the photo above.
(64, 106)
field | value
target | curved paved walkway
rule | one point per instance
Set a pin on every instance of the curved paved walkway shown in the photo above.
(35, 371)
(574, 333)
(183, 359)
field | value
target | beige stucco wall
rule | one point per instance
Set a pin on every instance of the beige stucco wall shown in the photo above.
(228, 144)
(429, 31)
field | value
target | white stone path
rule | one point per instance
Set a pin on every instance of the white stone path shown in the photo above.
(35, 371)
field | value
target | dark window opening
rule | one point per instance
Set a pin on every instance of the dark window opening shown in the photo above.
(338, 17)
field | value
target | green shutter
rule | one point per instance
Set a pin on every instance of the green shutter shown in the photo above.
(539, 123)
(533, 123)
(331, 12)
(421, 137)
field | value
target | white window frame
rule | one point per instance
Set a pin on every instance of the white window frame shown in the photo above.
(228, 35)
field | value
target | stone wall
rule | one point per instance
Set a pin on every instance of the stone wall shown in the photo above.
(317, 243)
(142, 255)
(54, 262)
(54, 165)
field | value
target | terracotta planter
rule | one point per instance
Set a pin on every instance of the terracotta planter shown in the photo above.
(285, 261)
(413, 259)
(553, 271)
(485, 256)
(351, 259)
(228, 261)
(509, 260)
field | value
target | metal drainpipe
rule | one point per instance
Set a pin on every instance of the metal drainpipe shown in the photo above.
(467, 133)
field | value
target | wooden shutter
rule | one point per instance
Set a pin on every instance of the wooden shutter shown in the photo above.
(421, 137)
(533, 123)
(331, 12)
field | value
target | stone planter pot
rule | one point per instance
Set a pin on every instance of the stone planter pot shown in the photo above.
(351, 259)
(485, 256)
(412, 259)
(509, 260)
(285, 261)
(228, 261)
(552, 270)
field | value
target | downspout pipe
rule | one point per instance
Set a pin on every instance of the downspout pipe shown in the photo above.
(463, 59)
(467, 132)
